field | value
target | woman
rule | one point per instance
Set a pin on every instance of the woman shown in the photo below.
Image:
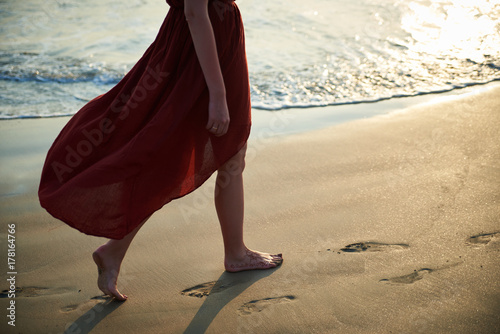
(180, 114)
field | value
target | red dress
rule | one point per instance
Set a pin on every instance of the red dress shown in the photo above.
(130, 151)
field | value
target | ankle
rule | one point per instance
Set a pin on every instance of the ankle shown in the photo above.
(236, 253)
(108, 251)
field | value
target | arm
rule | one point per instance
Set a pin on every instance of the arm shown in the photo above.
(196, 12)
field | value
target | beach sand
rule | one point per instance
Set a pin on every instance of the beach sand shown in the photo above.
(389, 224)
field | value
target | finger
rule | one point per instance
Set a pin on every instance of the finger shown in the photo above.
(222, 130)
(214, 129)
(219, 130)
(225, 128)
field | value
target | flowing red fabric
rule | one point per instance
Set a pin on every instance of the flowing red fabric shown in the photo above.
(130, 151)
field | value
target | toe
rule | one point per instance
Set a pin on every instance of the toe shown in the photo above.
(117, 295)
(120, 297)
(270, 265)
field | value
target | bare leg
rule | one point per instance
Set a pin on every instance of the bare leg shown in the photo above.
(108, 259)
(229, 203)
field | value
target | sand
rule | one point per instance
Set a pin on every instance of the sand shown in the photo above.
(388, 224)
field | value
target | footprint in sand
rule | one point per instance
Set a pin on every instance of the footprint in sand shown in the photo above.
(373, 247)
(69, 308)
(34, 291)
(408, 279)
(5, 293)
(85, 306)
(204, 289)
(483, 239)
(261, 304)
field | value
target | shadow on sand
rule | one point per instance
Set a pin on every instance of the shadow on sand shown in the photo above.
(86, 323)
(227, 287)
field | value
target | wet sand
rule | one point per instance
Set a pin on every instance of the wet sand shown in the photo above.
(386, 224)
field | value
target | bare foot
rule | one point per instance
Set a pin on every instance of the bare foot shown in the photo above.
(252, 260)
(108, 270)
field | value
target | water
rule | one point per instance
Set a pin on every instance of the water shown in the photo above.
(57, 55)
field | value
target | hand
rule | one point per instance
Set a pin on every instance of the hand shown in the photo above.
(218, 115)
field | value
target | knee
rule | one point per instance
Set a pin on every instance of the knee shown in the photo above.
(236, 164)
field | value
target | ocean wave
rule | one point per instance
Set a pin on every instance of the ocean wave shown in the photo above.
(344, 81)
(315, 53)
(277, 107)
(27, 66)
(68, 108)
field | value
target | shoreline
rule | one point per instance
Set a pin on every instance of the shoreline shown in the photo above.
(266, 125)
(299, 120)
(386, 223)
